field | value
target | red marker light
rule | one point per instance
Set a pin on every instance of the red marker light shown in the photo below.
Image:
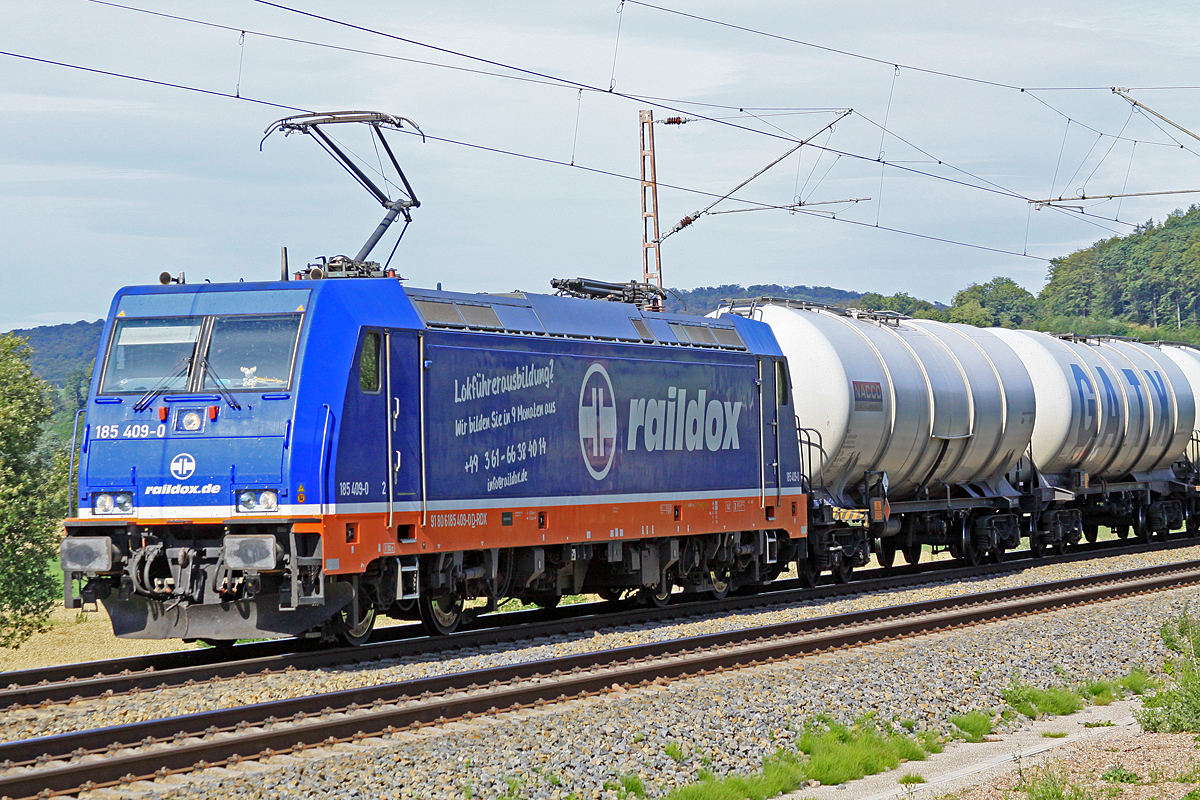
(162, 413)
(212, 411)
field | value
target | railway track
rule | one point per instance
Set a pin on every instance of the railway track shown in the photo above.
(44, 686)
(68, 763)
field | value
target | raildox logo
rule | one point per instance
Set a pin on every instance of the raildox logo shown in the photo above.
(597, 421)
(183, 466)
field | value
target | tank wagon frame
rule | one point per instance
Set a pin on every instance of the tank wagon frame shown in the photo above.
(297, 457)
(916, 433)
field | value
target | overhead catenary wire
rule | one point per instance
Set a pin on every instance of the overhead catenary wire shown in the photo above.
(688, 220)
(549, 80)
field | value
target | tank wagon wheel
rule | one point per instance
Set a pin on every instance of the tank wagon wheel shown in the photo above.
(843, 571)
(360, 634)
(442, 614)
(965, 548)
(997, 554)
(1091, 532)
(1193, 523)
(220, 645)
(1141, 524)
(610, 593)
(886, 552)
(912, 553)
(1122, 531)
(1036, 548)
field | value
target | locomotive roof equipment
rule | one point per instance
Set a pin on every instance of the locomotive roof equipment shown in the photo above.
(311, 125)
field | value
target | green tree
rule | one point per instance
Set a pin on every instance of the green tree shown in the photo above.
(30, 498)
(1005, 302)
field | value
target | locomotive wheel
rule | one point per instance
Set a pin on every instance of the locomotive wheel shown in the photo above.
(808, 572)
(720, 584)
(442, 614)
(610, 593)
(887, 552)
(1193, 524)
(1122, 531)
(657, 597)
(1036, 548)
(912, 553)
(360, 634)
(546, 599)
(1091, 533)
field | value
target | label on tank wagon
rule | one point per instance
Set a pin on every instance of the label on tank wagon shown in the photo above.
(558, 423)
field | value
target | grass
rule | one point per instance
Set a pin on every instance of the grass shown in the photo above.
(1118, 774)
(910, 779)
(973, 726)
(1049, 782)
(829, 752)
(1176, 709)
(1033, 702)
(1104, 723)
(1054, 734)
(675, 752)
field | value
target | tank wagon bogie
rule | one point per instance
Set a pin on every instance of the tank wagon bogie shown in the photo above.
(296, 458)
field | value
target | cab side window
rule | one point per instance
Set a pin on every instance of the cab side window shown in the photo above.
(781, 384)
(368, 363)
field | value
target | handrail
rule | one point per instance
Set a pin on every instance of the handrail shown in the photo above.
(71, 462)
(323, 464)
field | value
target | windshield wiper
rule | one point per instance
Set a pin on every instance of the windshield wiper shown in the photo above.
(162, 386)
(221, 389)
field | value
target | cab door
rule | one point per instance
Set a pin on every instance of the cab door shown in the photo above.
(402, 422)
(773, 402)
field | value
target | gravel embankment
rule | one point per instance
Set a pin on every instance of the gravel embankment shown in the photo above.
(725, 723)
(99, 712)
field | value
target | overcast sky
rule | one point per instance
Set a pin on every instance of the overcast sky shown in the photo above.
(105, 181)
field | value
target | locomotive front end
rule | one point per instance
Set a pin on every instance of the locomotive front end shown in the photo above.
(187, 527)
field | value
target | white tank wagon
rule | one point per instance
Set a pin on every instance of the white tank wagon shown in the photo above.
(926, 418)
(1114, 418)
(915, 432)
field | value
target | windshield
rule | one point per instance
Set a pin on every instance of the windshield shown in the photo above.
(251, 352)
(146, 353)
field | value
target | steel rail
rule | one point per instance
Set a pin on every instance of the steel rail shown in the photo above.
(39, 687)
(55, 763)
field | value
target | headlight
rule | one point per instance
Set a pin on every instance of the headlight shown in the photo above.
(247, 501)
(250, 500)
(118, 503)
(250, 552)
(191, 421)
(85, 554)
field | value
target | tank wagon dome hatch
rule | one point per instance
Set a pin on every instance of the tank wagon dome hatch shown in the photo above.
(931, 405)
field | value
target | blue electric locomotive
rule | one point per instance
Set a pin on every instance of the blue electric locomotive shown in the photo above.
(296, 457)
